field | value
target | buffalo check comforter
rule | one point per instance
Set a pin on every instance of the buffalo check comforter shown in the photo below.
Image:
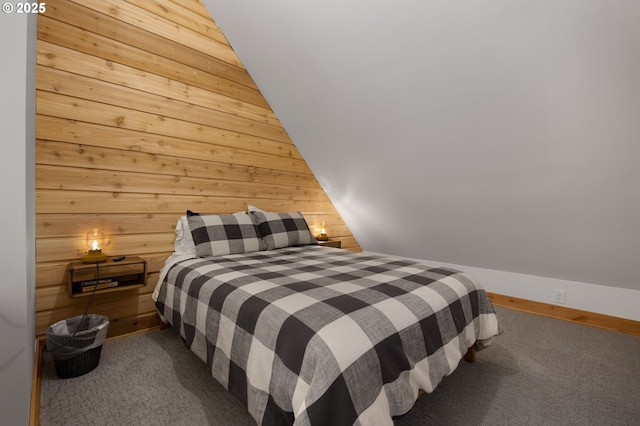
(320, 336)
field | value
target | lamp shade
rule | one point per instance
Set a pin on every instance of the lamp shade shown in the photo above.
(322, 236)
(95, 241)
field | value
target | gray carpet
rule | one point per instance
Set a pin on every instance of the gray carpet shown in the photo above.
(541, 371)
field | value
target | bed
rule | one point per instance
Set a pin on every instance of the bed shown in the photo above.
(309, 335)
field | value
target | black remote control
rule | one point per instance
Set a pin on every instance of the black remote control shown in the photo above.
(118, 258)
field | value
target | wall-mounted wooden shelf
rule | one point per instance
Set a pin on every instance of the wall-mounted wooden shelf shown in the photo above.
(105, 277)
(331, 243)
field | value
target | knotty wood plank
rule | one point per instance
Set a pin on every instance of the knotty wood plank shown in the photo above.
(79, 87)
(195, 6)
(66, 248)
(109, 27)
(350, 243)
(78, 63)
(87, 156)
(62, 106)
(125, 306)
(82, 202)
(184, 17)
(159, 25)
(67, 225)
(133, 323)
(62, 34)
(74, 179)
(78, 132)
(50, 273)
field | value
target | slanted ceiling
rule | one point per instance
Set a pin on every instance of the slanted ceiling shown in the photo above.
(144, 111)
(501, 135)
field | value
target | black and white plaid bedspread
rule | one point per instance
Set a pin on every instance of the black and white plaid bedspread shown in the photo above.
(320, 336)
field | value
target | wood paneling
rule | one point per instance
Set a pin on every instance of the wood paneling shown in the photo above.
(144, 111)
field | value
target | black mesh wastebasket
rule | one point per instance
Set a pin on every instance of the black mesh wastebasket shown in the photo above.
(75, 344)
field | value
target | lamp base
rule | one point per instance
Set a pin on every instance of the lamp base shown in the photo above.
(322, 237)
(94, 256)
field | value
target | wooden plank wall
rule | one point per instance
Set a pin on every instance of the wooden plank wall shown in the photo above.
(144, 111)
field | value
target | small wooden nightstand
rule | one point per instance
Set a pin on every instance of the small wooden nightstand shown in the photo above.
(331, 243)
(108, 276)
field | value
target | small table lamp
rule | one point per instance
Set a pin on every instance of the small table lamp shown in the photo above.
(323, 234)
(95, 241)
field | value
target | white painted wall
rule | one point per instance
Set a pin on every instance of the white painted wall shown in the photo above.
(606, 300)
(17, 247)
(496, 134)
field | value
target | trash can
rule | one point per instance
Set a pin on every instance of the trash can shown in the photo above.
(75, 344)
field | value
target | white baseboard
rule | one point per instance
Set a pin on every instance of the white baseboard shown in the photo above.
(614, 301)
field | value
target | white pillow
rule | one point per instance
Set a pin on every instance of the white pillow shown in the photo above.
(251, 208)
(184, 241)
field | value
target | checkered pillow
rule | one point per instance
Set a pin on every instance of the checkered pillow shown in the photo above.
(280, 230)
(217, 235)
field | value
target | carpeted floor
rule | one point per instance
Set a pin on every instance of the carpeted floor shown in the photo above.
(541, 371)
